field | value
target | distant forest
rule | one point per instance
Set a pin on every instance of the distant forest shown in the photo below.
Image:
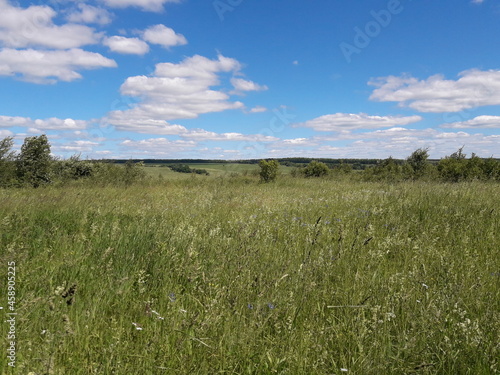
(356, 164)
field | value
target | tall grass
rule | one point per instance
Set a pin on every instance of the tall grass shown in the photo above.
(228, 276)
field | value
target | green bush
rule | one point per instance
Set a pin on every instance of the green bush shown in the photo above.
(316, 169)
(268, 170)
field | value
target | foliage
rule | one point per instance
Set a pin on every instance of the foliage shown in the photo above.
(73, 169)
(316, 169)
(184, 168)
(7, 165)
(418, 161)
(457, 167)
(34, 161)
(268, 170)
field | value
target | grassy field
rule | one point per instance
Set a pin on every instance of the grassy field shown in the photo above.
(216, 169)
(222, 275)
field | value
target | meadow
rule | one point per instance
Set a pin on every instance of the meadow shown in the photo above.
(225, 275)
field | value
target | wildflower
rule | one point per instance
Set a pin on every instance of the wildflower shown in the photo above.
(271, 306)
(250, 306)
(172, 297)
(158, 315)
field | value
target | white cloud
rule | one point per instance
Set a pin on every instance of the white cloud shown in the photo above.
(175, 91)
(75, 146)
(492, 122)
(50, 66)
(47, 124)
(258, 109)
(89, 14)
(149, 5)
(144, 125)
(33, 27)
(121, 44)
(396, 142)
(241, 85)
(158, 147)
(349, 121)
(477, 1)
(474, 88)
(164, 36)
(203, 135)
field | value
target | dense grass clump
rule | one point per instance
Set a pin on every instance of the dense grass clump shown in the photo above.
(227, 276)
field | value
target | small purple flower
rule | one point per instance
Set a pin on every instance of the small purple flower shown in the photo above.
(250, 306)
(172, 297)
(271, 306)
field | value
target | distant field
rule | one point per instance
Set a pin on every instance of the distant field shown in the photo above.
(209, 275)
(215, 169)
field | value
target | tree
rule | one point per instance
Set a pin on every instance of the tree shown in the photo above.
(316, 169)
(7, 170)
(34, 162)
(268, 170)
(418, 161)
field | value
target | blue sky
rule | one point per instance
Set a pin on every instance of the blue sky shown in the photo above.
(241, 79)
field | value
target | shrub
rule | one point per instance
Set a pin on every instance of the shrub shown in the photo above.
(268, 170)
(316, 169)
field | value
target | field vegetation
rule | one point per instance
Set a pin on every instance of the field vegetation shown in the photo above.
(118, 272)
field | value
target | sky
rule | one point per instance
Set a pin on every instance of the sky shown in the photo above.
(251, 79)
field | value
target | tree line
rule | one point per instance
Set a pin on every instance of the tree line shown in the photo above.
(453, 168)
(35, 166)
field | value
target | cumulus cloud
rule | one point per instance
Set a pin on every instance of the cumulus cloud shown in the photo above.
(39, 66)
(492, 122)
(89, 14)
(158, 146)
(348, 121)
(148, 5)
(34, 27)
(142, 124)
(474, 88)
(76, 146)
(164, 36)
(121, 44)
(47, 124)
(242, 85)
(397, 142)
(176, 91)
(258, 109)
(203, 135)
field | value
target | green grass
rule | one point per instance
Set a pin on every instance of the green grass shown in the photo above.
(302, 276)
